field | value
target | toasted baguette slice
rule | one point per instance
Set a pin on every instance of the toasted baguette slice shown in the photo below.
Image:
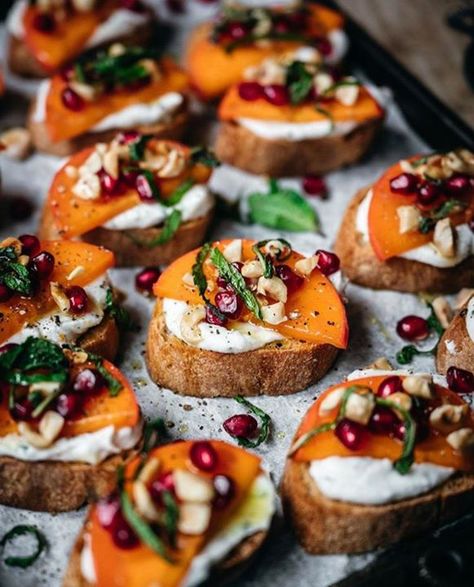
(455, 348)
(282, 367)
(325, 526)
(102, 340)
(172, 129)
(224, 572)
(55, 486)
(361, 266)
(241, 148)
(129, 253)
(22, 62)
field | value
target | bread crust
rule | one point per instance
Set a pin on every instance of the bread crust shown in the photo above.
(241, 148)
(102, 340)
(325, 526)
(22, 62)
(455, 348)
(361, 266)
(224, 572)
(279, 368)
(173, 129)
(54, 486)
(128, 253)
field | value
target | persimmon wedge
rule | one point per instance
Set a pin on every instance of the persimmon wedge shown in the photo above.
(322, 317)
(17, 311)
(140, 567)
(434, 449)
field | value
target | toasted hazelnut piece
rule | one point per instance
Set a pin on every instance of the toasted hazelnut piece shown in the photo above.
(188, 279)
(462, 439)
(174, 164)
(191, 487)
(144, 502)
(322, 82)
(110, 163)
(23, 260)
(78, 357)
(87, 188)
(332, 400)
(276, 249)
(149, 470)
(189, 326)
(444, 238)
(359, 407)
(252, 269)
(274, 313)
(233, 251)
(305, 266)
(406, 166)
(47, 387)
(152, 68)
(263, 27)
(409, 217)
(93, 163)
(381, 364)
(49, 429)
(418, 386)
(194, 518)
(442, 310)
(448, 417)
(75, 272)
(294, 314)
(468, 157)
(463, 297)
(17, 142)
(273, 287)
(347, 94)
(83, 5)
(86, 91)
(117, 49)
(401, 399)
(59, 296)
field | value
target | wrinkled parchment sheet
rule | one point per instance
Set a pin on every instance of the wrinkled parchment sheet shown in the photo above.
(372, 318)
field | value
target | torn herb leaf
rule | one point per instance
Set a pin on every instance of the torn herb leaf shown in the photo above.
(265, 422)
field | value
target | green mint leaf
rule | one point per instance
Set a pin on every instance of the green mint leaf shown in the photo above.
(406, 354)
(204, 156)
(265, 422)
(345, 398)
(113, 384)
(433, 322)
(199, 278)
(24, 562)
(17, 278)
(299, 81)
(136, 149)
(178, 193)
(170, 226)
(118, 313)
(171, 516)
(34, 353)
(449, 207)
(404, 462)
(307, 436)
(426, 225)
(264, 261)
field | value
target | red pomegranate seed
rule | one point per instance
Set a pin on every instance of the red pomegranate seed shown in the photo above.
(460, 380)
(224, 488)
(78, 299)
(224, 284)
(242, 425)
(413, 328)
(405, 183)
(163, 483)
(30, 244)
(250, 91)
(129, 177)
(109, 185)
(5, 293)
(203, 455)
(7, 347)
(88, 382)
(351, 434)
(106, 510)
(122, 535)
(72, 100)
(276, 94)
(67, 405)
(399, 430)
(458, 184)
(389, 385)
(383, 420)
(67, 72)
(229, 303)
(324, 46)
(43, 264)
(282, 26)
(44, 22)
(328, 263)
(427, 193)
(22, 410)
(128, 136)
(289, 277)
(237, 30)
(315, 186)
(146, 279)
(213, 318)
(20, 208)
(145, 189)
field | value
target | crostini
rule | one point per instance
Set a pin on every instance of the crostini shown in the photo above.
(58, 290)
(240, 37)
(378, 458)
(68, 419)
(241, 317)
(189, 512)
(412, 230)
(44, 35)
(456, 346)
(101, 93)
(292, 117)
(145, 199)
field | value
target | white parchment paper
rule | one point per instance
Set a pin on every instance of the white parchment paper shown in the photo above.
(372, 317)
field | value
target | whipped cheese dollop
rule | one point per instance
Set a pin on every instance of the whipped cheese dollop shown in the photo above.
(66, 328)
(196, 202)
(428, 253)
(243, 336)
(91, 447)
(253, 515)
(369, 481)
(140, 114)
(470, 318)
(296, 131)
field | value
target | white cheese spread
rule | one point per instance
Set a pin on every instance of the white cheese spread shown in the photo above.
(369, 481)
(91, 448)
(253, 515)
(66, 328)
(340, 45)
(470, 318)
(243, 336)
(296, 131)
(197, 202)
(427, 254)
